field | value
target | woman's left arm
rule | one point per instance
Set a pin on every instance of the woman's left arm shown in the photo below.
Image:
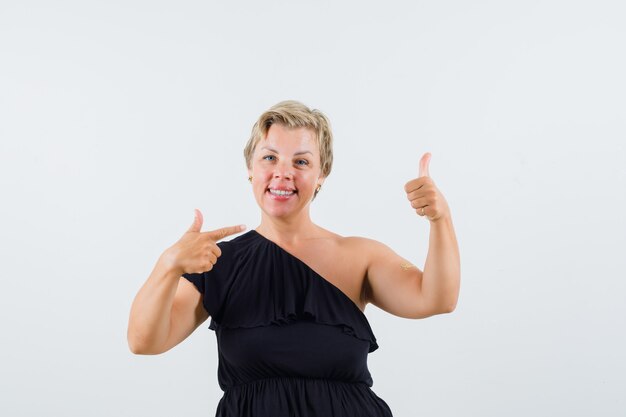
(411, 292)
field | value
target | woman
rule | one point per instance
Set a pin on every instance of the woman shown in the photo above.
(286, 299)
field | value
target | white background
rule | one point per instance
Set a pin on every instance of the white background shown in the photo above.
(118, 118)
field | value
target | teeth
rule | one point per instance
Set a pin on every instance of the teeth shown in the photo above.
(280, 192)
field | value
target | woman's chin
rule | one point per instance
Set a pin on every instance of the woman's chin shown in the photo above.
(279, 209)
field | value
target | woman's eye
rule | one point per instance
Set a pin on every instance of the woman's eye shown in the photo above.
(302, 162)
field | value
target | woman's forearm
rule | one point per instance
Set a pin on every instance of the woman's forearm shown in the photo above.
(442, 271)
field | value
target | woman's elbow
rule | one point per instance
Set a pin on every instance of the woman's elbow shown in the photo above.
(449, 307)
(142, 350)
(139, 345)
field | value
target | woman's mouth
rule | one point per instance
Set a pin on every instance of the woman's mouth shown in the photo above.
(281, 194)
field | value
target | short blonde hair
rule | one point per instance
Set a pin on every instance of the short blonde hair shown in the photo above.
(293, 114)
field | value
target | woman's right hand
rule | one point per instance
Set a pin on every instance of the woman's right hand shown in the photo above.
(196, 251)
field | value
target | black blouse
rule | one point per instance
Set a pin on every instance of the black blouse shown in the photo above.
(290, 343)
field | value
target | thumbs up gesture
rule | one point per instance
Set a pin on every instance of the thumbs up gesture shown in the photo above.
(197, 251)
(424, 196)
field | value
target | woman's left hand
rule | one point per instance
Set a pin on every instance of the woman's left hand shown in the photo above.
(424, 196)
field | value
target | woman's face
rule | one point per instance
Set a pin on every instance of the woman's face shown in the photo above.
(285, 170)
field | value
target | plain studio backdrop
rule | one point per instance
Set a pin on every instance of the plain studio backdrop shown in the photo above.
(117, 119)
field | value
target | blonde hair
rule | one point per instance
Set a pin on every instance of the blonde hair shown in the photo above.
(293, 114)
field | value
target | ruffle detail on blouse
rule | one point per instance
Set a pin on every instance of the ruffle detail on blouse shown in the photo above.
(273, 287)
(354, 329)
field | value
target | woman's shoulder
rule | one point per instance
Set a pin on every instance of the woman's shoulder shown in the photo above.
(352, 243)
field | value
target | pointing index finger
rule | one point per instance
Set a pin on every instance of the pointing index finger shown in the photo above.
(218, 234)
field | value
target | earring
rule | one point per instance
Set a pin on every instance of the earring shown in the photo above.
(319, 187)
(250, 178)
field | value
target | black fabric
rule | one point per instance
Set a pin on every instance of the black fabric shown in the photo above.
(290, 343)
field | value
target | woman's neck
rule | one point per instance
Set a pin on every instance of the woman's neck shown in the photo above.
(287, 231)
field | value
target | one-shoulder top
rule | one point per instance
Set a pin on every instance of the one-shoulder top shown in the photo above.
(290, 343)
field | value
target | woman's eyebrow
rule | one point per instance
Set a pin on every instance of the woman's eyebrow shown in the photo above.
(297, 153)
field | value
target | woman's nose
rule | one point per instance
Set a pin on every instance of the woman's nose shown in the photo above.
(283, 171)
(283, 174)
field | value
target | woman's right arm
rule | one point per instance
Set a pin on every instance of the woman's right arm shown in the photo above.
(168, 308)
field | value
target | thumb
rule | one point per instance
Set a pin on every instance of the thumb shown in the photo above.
(225, 231)
(197, 222)
(424, 165)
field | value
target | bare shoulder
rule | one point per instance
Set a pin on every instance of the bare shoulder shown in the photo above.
(374, 253)
(362, 245)
(358, 251)
(343, 260)
(362, 254)
(357, 244)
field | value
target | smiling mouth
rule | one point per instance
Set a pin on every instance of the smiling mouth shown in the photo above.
(281, 193)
